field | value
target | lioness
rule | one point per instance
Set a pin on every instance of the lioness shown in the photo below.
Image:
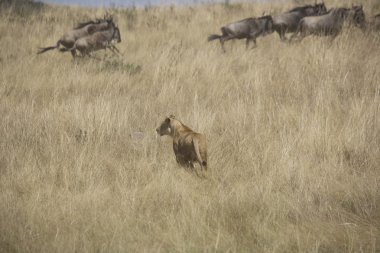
(188, 145)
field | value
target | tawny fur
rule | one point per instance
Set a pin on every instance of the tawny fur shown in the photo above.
(188, 146)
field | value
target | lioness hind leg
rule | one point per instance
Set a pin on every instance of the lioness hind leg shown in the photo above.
(204, 165)
(183, 163)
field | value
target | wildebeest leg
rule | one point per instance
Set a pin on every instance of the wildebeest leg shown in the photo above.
(293, 37)
(253, 37)
(247, 43)
(93, 57)
(222, 44)
(112, 50)
(283, 36)
(298, 35)
(73, 53)
(331, 39)
(82, 52)
(224, 39)
(281, 32)
(334, 34)
(254, 43)
(297, 38)
(88, 53)
(105, 53)
(302, 36)
(115, 48)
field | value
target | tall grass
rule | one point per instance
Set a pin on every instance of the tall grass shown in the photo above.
(293, 134)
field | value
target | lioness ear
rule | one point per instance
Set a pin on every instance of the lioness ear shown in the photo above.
(167, 120)
(172, 116)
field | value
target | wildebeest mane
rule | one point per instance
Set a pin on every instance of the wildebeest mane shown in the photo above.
(81, 25)
(265, 17)
(300, 8)
(337, 10)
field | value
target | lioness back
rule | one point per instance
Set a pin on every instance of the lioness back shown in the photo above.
(188, 146)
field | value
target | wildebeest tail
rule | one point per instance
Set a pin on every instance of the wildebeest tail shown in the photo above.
(44, 49)
(213, 37)
(64, 49)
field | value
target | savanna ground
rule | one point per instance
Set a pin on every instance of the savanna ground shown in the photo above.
(293, 134)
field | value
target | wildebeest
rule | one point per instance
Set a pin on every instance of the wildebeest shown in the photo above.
(288, 22)
(249, 29)
(81, 30)
(96, 41)
(188, 145)
(331, 23)
(373, 22)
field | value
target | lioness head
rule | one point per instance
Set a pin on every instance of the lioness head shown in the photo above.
(165, 128)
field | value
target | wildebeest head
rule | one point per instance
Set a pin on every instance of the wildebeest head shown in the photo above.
(109, 22)
(116, 37)
(107, 17)
(320, 8)
(311, 10)
(268, 24)
(166, 127)
(340, 13)
(358, 16)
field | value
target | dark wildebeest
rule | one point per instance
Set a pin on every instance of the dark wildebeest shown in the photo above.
(81, 30)
(288, 22)
(249, 28)
(373, 23)
(330, 24)
(96, 41)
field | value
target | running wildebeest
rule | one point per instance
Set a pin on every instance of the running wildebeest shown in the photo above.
(81, 30)
(249, 29)
(96, 41)
(288, 22)
(330, 24)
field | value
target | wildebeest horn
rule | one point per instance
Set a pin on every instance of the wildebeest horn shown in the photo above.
(108, 16)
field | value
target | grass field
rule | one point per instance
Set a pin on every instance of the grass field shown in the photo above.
(293, 134)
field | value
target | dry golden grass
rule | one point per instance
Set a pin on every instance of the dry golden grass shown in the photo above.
(293, 134)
